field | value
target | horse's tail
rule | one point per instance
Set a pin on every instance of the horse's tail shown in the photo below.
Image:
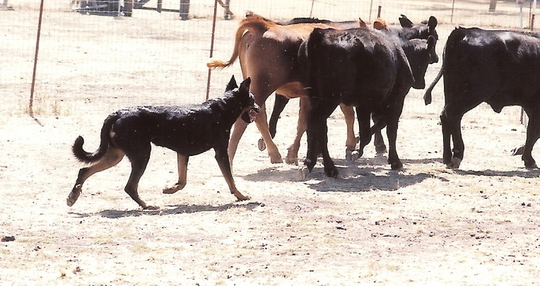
(427, 94)
(249, 24)
(88, 157)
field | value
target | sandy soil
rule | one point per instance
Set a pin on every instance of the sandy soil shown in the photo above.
(423, 225)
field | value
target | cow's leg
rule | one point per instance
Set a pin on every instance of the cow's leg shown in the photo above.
(182, 175)
(139, 160)
(238, 130)
(363, 116)
(350, 144)
(280, 102)
(110, 159)
(380, 147)
(391, 133)
(224, 165)
(292, 151)
(318, 138)
(533, 133)
(262, 124)
(451, 128)
(279, 105)
(378, 124)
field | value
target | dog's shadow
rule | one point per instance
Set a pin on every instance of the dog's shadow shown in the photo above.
(171, 210)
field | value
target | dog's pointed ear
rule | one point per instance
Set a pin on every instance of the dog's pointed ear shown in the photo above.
(244, 86)
(232, 84)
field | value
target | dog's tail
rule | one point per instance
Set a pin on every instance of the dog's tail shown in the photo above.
(87, 157)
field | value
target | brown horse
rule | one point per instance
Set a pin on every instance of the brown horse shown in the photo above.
(267, 52)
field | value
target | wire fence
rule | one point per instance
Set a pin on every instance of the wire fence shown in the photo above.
(156, 58)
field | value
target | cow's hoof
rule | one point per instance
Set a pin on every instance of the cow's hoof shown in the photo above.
(456, 162)
(240, 197)
(517, 151)
(261, 145)
(396, 165)
(151, 208)
(291, 160)
(351, 155)
(380, 149)
(304, 171)
(331, 172)
(276, 159)
(531, 165)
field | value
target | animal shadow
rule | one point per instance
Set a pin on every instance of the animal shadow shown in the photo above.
(172, 210)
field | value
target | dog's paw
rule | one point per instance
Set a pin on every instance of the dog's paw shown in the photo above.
(74, 195)
(151, 208)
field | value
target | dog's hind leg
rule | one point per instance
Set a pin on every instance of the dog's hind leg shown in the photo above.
(110, 159)
(223, 161)
(182, 175)
(139, 160)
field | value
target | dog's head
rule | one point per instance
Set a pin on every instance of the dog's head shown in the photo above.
(250, 109)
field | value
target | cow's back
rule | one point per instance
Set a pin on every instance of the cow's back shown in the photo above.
(499, 67)
(355, 65)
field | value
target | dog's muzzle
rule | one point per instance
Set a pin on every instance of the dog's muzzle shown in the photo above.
(253, 111)
(251, 114)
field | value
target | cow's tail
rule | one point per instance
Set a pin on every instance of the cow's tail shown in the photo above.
(213, 64)
(427, 94)
(87, 157)
(248, 25)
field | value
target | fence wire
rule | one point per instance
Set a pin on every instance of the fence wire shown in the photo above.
(156, 58)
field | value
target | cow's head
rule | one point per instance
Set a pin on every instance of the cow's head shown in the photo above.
(420, 54)
(426, 29)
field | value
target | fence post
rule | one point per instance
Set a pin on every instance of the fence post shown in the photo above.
(184, 9)
(492, 5)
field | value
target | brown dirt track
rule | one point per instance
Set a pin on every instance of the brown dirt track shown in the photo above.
(424, 225)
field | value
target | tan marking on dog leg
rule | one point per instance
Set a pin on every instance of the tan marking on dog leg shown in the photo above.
(227, 174)
(110, 159)
(182, 175)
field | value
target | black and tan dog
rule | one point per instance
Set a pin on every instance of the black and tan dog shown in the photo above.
(188, 130)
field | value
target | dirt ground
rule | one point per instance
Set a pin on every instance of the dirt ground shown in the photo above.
(423, 225)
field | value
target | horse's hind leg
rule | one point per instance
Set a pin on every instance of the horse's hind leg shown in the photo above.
(110, 159)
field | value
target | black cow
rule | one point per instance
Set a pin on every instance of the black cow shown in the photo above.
(407, 30)
(499, 67)
(364, 68)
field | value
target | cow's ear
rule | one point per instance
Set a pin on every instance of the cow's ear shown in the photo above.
(244, 86)
(232, 84)
(405, 22)
(431, 42)
(432, 22)
(362, 24)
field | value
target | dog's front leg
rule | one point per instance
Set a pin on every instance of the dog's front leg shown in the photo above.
(182, 175)
(223, 161)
